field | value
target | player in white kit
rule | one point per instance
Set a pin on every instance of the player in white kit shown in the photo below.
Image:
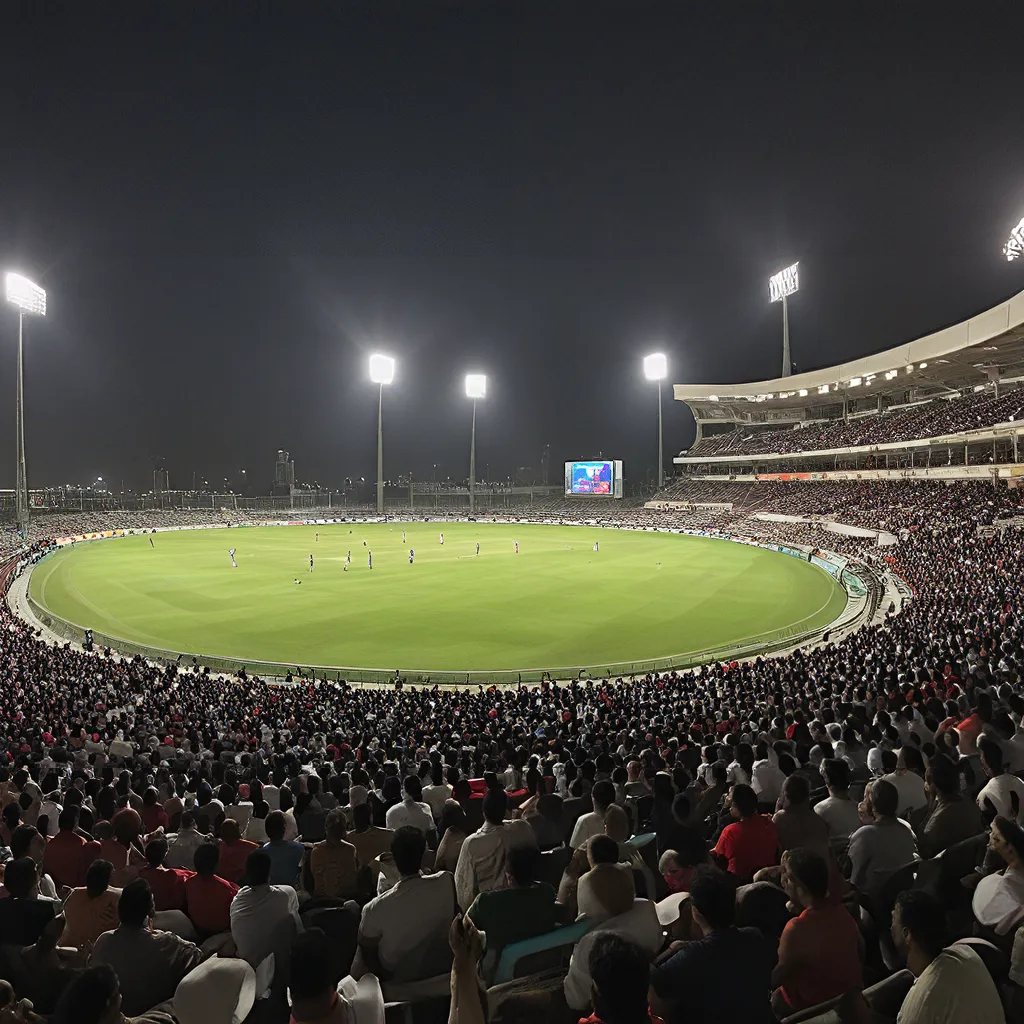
(442, 540)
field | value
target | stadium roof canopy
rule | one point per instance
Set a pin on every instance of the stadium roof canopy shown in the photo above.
(986, 347)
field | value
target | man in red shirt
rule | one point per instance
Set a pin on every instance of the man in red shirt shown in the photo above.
(209, 896)
(819, 952)
(233, 851)
(168, 884)
(64, 859)
(750, 842)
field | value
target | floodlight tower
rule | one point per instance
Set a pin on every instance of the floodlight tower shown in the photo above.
(1015, 244)
(780, 287)
(29, 298)
(382, 371)
(656, 369)
(476, 387)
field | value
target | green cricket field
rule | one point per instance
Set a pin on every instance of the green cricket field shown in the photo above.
(556, 604)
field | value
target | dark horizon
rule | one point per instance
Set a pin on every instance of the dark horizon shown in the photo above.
(229, 210)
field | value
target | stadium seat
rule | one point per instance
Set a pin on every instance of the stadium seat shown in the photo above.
(536, 954)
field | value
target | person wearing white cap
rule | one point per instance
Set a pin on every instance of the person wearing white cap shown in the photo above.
(220, 990)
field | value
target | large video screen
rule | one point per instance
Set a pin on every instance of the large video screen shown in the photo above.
(594, 478)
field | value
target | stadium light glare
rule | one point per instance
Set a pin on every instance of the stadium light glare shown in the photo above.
(922, 366)
(656, 369)
(25, 294)
(29, 298)
(802, 392)
(382, 369)
(656, 366)
(476, 387)
(1015, 244)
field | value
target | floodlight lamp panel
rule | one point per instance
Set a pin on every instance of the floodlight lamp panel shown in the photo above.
(25, 294)
(656, 366)
(1015, 245)
(784, 283)
(382, 369)
(476, 385)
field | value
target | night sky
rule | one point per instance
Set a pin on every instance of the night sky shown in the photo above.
(232, 204)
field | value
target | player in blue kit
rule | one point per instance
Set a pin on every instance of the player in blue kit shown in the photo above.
(310, 563)
(369, 558)
(412, 555)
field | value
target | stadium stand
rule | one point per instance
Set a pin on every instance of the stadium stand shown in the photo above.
(829, 834)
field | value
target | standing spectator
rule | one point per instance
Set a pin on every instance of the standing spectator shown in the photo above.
(952, 984)
(819, 953)
(149, 964)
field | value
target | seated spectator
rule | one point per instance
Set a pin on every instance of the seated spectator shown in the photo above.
(952, 984)
(750, 842)
(523, 909)
(607, 889)
(234, 851)
(401, 931)
(334, 863)
(1003, 792)
(438, 793)
(92, 910)
(796, 823)
(208, 897)
(639, 923)
(27, 842)
(724, 976)
(369, 840)
(452, 829)
(221, 990)
(166, 884)
(412, 810)
(819, 952)
(24, 914)
(319, 995)
(766, 778)
(592, 823)
(951, 817)
(95, 997)
(481, 865)
(908, 778)
(677, 866)
(264, 917)
(285, 854)
(620, 974)
(149, 964)
(153, 814)
(883, 844)
(309, 815)
(544, 814)
(838, 809)
(182, 846)
(998, 901)
(255, 830)
(64, 859)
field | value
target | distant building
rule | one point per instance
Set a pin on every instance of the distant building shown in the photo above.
(284, 471)
(161, 478)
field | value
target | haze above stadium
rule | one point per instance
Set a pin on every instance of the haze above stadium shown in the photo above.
(230, 213)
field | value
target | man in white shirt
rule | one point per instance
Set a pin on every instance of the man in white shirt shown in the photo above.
(481, 864)
(838, 809)
(412, 811)
(181, 848)
(879, 848)
(640, 923)
(767, 779)
(592, 823)
(908, 778)
(437, 792)
(403, 933)
(1001, 786)
(953, 985)
(264, 917)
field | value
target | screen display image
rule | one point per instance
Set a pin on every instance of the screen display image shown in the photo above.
(591, 478)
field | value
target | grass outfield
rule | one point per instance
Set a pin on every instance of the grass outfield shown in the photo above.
(558, 603)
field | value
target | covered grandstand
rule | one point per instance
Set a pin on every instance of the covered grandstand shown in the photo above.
(951, 398)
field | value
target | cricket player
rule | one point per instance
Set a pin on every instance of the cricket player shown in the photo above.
(478, 547)
(311, 563)
(595, 545)
(442, 540)
(348, 558)
(317, 538)
(369, 558)
(517, 547)
(231, 552)
(403, 536)
(412, 555)
(151, 544)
